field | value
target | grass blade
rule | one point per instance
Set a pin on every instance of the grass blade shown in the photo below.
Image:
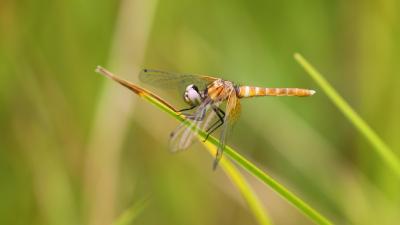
(379, 146)
(241, 184)
(236, 157)
(130, 214)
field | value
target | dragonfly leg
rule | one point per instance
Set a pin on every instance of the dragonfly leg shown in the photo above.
(195, 117)
(186, 109)
(221, 115)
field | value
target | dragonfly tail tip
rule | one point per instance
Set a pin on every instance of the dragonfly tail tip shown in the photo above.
(312, 92)
(215, 165)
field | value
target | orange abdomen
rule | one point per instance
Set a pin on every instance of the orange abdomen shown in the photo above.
(249, 91)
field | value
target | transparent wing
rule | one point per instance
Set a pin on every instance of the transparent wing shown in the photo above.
(232, 113)
(233, 108)
(174, 80)
(182, 137)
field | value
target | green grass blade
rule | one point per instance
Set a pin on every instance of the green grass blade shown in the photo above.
(244, 188)
(380, 147)
(130, 214)
(236, 157)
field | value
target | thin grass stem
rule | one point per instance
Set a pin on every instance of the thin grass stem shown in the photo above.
(130, 214)
(381, 148)
(255, 205)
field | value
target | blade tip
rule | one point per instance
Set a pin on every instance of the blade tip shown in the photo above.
(101, 70)
(98, 69)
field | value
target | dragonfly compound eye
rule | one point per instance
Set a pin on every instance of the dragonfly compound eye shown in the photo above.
(192, 95)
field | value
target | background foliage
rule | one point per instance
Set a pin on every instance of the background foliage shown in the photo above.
(78, 149)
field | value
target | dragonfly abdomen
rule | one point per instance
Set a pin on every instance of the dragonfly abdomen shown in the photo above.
(250, 91)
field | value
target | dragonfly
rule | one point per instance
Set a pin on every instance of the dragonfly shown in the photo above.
(212, 103)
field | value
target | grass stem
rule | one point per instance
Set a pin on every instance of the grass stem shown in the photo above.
(373, 138)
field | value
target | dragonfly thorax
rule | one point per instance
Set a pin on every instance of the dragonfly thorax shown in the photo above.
(220, 90)
(192, 95)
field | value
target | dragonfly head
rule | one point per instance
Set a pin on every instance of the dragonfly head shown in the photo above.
(192, 95)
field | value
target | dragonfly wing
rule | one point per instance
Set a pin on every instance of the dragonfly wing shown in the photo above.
(173, 80)
(232, 113)
(182, 137)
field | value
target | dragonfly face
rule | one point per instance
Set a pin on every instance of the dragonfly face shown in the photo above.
(217, 91)
(192, 95)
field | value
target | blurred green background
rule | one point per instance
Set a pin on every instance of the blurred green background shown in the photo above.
(76, 148)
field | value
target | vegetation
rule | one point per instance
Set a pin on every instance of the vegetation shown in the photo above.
(79, 149)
